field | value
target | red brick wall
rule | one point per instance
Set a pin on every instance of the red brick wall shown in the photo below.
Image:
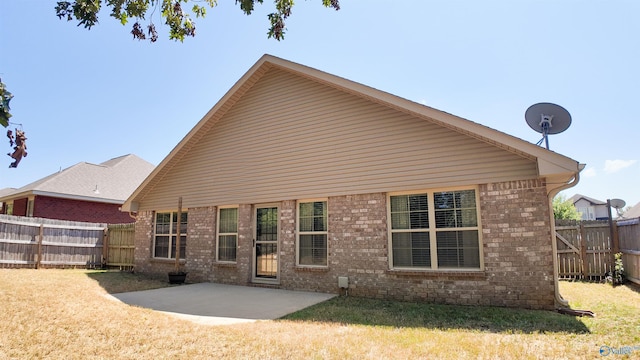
(20, 207)
(516, 250)
(77, 210)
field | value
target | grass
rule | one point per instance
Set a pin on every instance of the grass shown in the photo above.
(355, 311)
(64, 314)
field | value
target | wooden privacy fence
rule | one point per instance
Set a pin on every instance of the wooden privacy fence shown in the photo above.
(584, 249)
(629, 235)
(120, 245)
(36, 242)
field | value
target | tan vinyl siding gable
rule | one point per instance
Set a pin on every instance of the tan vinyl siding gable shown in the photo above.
(288, 137)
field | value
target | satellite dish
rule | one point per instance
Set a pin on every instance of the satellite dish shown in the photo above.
(547, 118)
(617, 203)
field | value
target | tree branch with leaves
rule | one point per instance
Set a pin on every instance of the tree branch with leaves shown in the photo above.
(179, 20)
(5, 97)
(564, 209)
(17, 141)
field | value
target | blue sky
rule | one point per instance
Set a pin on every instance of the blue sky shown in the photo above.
(94, 95)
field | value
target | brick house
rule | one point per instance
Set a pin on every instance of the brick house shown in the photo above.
(302, 180)
(83, 192)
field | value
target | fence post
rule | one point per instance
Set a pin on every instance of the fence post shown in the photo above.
(105, 247)
(615, 240)
(613, 235)
(40, 237)
(583, 251)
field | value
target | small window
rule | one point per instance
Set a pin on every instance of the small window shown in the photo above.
(166, 230)
(436, 230)
(227, 234)
(30, 208)
(312, 233)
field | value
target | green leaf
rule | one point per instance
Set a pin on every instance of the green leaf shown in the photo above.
(199, 11)
(5, 98)
(171, 11)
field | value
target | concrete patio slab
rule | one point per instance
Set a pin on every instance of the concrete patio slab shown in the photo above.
(219, 304)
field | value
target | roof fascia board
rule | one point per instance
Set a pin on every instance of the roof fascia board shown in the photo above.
(26, 194)
(76, 197)
(16, 195)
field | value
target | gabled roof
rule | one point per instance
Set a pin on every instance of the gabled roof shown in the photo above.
(575, 198)
(111, 181)
(550, 164)
(632, 213)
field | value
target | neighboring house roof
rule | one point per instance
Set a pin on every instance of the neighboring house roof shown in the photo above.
(575, 198)
(632, 213)
(556, 168)
(6, 191)
(111, 181)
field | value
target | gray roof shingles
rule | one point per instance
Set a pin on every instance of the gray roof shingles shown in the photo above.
(113, 180)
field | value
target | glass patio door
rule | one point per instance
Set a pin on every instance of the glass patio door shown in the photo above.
(266, 245)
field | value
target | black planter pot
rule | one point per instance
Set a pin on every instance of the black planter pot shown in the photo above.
(177, 277)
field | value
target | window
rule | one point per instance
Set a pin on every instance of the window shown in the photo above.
(410, 231)
(436, 230)
(30, 208)
(166, 235)
(312, 233)
(588, 212)
(227, 234)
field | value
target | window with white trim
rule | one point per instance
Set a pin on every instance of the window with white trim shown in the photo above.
(587, 212)
(166, 230)
(437, 230)
(227, 234)
(312, 233)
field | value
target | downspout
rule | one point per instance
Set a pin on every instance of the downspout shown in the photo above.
(550, 195)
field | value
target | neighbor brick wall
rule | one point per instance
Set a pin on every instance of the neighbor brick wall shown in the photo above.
(20, 207)
(77, 210)
(516, 251)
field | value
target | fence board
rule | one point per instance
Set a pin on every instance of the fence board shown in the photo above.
(584, 249)
(120, 245)
(629, 235)
(33, 242)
